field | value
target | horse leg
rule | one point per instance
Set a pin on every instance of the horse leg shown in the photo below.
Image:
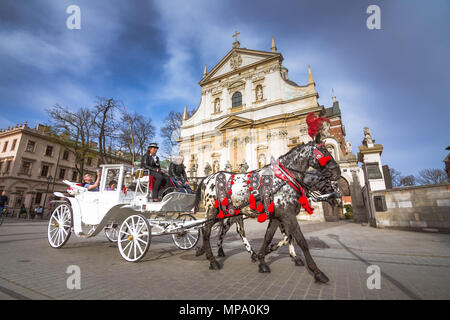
(286, 240)
(270, 231)
(297, 260)
(223, 231)
(294, 230)
(240, 230)
(214, 264)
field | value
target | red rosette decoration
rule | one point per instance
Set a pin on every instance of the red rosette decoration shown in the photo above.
(260, 207)
(262, 217)
(271, 206)
(225, 202)
(324, 160)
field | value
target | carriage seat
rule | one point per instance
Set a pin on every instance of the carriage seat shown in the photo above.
(152, 181)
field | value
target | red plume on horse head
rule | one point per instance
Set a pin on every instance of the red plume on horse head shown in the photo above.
(315, 124)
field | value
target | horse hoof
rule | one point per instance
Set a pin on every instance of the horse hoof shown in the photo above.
(321, 277)
(254, 257)
(220, 253)
(299, 262)
(263, 268)
(215, 266)
(199, 251)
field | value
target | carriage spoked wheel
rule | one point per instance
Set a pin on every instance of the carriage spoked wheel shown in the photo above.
(134, 238)
(60, 226)
(112, 232)
(186, 239)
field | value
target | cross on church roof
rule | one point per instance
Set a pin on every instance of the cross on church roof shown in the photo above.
(235, 36)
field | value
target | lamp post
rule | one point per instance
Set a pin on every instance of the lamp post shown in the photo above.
(49, 180)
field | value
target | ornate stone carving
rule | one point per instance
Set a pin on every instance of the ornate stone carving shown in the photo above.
(235, 61)
(368, 141)
(259, 93)
(207, 169)
(228, 166)
(243, 167)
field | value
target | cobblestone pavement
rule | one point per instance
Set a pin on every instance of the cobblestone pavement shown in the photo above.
(413, 266)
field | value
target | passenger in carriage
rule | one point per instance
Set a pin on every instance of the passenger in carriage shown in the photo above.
(178, 175)
(151, 162)
(112, 186)
(88, 181)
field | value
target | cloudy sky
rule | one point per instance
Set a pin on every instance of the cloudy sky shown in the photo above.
(151, 54)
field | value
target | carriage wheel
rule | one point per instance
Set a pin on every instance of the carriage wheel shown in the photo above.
(60, 226)
(112, 232)
(188, 238)
(134, 238)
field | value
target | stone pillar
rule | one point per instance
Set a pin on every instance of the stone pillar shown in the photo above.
(370, 156)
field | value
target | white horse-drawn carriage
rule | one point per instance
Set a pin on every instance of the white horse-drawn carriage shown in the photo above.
(124, 212)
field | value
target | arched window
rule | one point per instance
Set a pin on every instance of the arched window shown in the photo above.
(236, 99)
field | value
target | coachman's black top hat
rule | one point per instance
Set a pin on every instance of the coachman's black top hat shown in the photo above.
(153, 145)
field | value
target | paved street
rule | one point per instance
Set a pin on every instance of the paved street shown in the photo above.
(413, 266)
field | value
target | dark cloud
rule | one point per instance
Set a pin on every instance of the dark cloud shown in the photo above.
(151, 55)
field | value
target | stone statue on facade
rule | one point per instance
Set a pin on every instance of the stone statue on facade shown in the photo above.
(208, 169)
(368, 141)
(228, 166)
(193, 170)
(216, 166)
(259, 93)
(243, 167)
(348, 146)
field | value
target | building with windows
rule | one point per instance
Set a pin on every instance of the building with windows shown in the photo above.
(250, 111)
(32, 165)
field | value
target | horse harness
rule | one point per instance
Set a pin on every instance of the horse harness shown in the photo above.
(262, 188)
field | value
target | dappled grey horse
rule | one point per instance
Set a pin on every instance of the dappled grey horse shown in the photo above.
(287, 194)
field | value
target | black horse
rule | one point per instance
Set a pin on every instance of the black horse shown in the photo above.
(285, 199)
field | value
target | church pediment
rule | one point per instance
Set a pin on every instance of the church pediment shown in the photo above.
(234, 122)
(238, 59)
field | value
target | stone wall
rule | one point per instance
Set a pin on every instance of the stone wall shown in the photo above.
(422, 208)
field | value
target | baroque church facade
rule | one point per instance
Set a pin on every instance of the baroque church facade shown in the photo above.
(251, 111)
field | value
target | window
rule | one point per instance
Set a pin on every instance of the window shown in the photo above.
(49, 151)
(30, 146)
(44, 171)
(74, 175)
(5, 146)
(236, 99)
(26, 167)
(89, 161)
(112, 177)
(38, 198)
(66, 155)
(13, 145)
(373, 171)
(8, 166)
(62, 173)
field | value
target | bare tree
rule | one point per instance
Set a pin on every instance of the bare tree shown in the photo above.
(143, 132)
(106, 124)
(74, 130)
(170, 132)
(432, 176)
(408, 180)
(396, 177)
